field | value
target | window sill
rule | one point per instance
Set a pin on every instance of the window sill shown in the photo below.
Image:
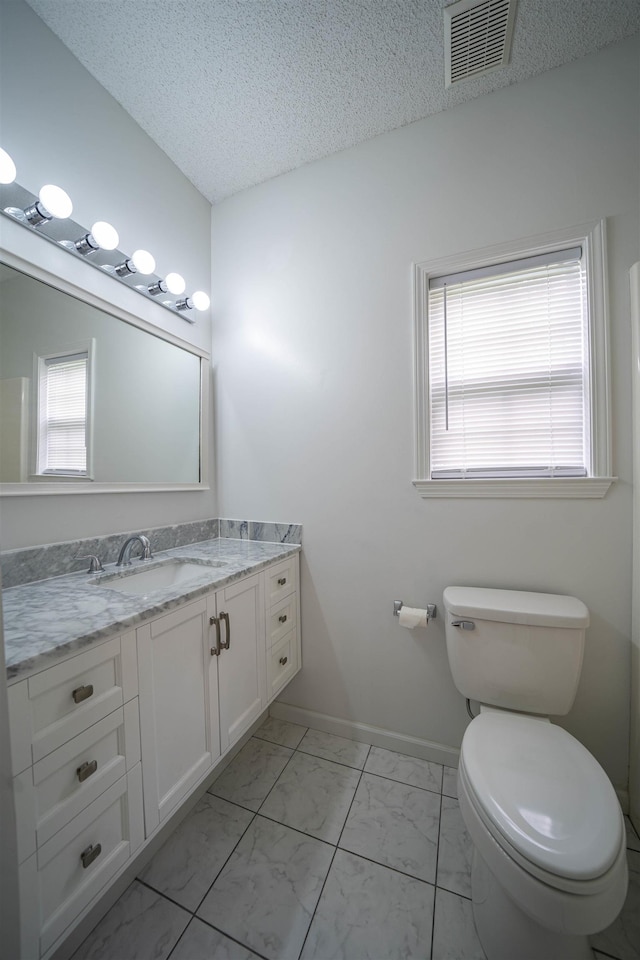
(579, 488)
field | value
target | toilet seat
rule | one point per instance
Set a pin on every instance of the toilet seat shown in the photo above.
(544, 799)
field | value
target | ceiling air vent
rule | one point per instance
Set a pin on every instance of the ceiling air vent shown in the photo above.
(477, 37)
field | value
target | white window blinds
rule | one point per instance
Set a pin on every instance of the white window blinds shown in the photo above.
(509, 370)
(62, 444)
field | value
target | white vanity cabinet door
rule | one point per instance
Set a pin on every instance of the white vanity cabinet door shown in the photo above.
(179, 725)
(239, 608)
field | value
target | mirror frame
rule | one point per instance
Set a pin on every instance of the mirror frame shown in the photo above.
(35, 269)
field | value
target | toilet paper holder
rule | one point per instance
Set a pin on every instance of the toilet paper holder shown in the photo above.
(430, 608)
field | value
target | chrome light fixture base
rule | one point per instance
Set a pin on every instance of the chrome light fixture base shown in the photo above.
(26, 209)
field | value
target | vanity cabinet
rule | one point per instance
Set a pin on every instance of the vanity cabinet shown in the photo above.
(77, 784)
(242, 694)
(179, 725)
(108, 743)
(202, 684)
(283, 617)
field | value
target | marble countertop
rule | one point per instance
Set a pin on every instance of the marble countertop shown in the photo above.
(52, 618)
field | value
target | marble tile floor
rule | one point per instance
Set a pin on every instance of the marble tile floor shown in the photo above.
(313, 847)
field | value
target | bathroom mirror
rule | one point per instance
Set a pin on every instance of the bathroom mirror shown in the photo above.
(142, 396)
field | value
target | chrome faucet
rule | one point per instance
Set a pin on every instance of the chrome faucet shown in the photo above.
(125, 554)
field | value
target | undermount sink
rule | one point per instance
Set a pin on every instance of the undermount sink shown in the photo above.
(169, 574)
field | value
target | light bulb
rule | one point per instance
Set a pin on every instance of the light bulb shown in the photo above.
(105, 235)
(57, 202)
(7, 167)
(200, 300)
(143, 261)
(175, 283)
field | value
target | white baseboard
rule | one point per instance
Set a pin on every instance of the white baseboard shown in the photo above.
(363, 732)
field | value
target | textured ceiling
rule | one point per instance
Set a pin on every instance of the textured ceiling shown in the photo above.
(238, 91)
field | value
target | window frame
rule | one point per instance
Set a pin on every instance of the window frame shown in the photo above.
(592, 237)
(85, 348)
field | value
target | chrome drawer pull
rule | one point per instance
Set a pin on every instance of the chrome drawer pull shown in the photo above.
(86, 770)
(282, 581)
(283, 618)
(225, 644)
(283, 660)
(90, 854)
(215, 621)
(82, 693)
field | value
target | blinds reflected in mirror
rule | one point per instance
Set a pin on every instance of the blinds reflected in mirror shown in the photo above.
(62, 414)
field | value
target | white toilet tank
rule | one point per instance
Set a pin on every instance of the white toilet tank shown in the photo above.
(516, 650)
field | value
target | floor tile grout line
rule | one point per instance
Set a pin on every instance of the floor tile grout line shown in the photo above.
(324, 883)
(341, 763)
(454, 893)
(235, 847)
(634, 833)
(309, 836)
(402, 873)
(315, 909)
(180, 938)
(201, 901)
(161, 893)
(362, 856)
(612, 956)
(277, 742)
(352, 800)
(273, 785)
(435, 892)
(237, 803)
(234, 939)
(417, 786)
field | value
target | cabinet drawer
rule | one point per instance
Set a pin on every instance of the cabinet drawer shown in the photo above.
(281, 580)
(282, 663)
(69, 874)
(282, 619)
(67, 698)
(74, 775)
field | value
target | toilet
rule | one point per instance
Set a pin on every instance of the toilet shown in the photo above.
(549, 860)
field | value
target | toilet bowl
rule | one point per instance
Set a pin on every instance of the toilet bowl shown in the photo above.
(549, 860)
(549, 843)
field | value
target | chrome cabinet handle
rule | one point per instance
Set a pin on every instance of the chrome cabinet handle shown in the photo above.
(282, 581)
(215, 651)
(86, 770)
(283, 618)
(225, 644)
(283, 660)
(82, 693)
(90, 854)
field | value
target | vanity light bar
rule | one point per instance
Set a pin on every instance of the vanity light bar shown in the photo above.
(51, 210)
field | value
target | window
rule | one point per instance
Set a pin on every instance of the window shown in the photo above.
(512, 371)
(63, 408)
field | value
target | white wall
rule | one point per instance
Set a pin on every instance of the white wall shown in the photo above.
(61, 126)
(313, 345)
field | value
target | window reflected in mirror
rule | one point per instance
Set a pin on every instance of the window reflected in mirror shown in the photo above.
(86, 396)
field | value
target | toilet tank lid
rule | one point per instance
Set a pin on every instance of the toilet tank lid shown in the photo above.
(516, 606)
